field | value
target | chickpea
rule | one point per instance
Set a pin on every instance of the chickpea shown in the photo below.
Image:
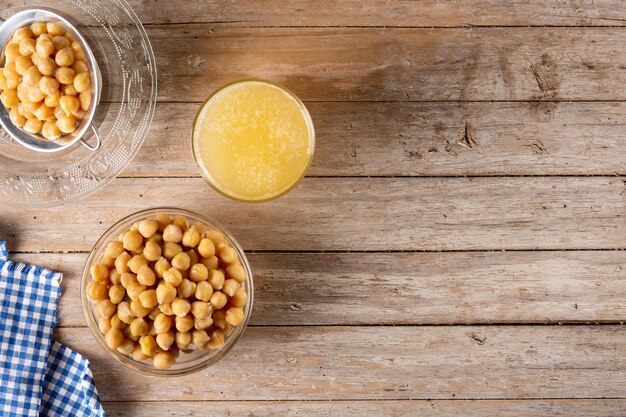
(148, 299)
(82, 83)
(162, 323)
(171, 249)
(166, 293)
(218, 300)
(240, 298)
(216, 236)
(9, 98)
(69, 90)
(163, 360)
(12, 83)
(172, 233)
(137, 354)
(44, 113)
(117, 293)
(152, 251)
(210, 263)
(161, 266)
(114, 277)
(181, 222)
(99, 272)
(163, 219)
(193, 257)
(3, 81)
(32, 125)
(206, 248)
(10, 72)
(236, 272)
(66, 124)
(147, 228)
(80, 65)
(139, 327)
(165, 340)
(21, 34)
(50, 131)
(38, 28)
(116, 323)
(217, 340)
(148, 345)
(96, 290)
(191, 237)
(186, 288)
(216, 278)
(24, 111)
(198, 273)
(183, 339)
(124, 312)
(11, 52)
(114, 338)
(166, 308)
(234, 316)
(181, 261)
(173, 277)
(79, 114)
(54, 29)
(128, 278)
(65, 57)
(47, 66)
(53, 102)
(156, 238)
(219, 319)
(65, 75)
(132, 240)
(202, 323)
(184, 324)
(199, 338)
(108, 262)
(104, 324)
(227, 254)
(204, 291)
(35, 95)
(85, 100)
(201, 309)
(181, 307)
(60, 42)
(127, 346)
(27, 47)
(16, 118)
(230, 287)
(113, 249)
(22, 64)
(105, 308)
(134, 289)
(138, 310)
(146, 276)
(136, 263)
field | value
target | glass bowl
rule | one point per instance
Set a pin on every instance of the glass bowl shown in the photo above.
(123, 116)
(186, 363)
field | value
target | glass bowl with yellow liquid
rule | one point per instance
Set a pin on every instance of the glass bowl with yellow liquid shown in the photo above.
(253, 140)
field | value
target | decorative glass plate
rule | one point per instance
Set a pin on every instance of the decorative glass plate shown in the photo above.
(123, 117)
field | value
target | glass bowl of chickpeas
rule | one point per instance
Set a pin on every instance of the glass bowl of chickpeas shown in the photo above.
(49, 83)
(167, 291)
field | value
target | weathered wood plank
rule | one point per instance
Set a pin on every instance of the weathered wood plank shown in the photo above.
(425, 408)
(428, 139)
(357, 214)
(412, 288)
(324, 363)
(366, 64)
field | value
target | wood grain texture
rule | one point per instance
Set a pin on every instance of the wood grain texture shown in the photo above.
(382, 64)
(427, 139)
(384, 13)
(358, 214)
(433, 408)
(324, 363)
(412, 288)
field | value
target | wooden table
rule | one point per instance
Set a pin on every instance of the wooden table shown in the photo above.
(458, 245)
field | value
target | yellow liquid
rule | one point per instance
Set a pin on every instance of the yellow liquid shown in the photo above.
(253, 140)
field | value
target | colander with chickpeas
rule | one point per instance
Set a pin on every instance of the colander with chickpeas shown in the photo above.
(49, 82)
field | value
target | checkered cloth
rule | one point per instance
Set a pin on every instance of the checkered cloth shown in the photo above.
(38, 377)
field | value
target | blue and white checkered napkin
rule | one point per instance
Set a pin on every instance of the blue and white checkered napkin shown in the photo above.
(38, 377)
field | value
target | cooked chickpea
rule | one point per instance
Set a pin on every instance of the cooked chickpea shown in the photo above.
(162, 323)
(161, 266)
(199, 338)
(65, 57)
(201, 309)
(54, 29)
(70, 105)
(210, 263)
(21, 109)
(163, 219)
(171, 249)
(153, 314)
(234, 316)
(156, 238)
(132, 240)
(50, 131)
(181, 261)
(10, 72)
(148, 298)
(9, 98)
(206, 248)
(230, 287)
(54, 102)
(172, 233)
(114, 277)
(166, 308)
(227, 254)
(216, 341)
(204, 291)
(139, 327)
(193, 257)
(165, 293)
(218, 300)
(126, 348)
(82, 83)
(11, 51)
(136, 263)
(163, 360)
(191, 237)
(21, 34)
(108, 262)
(38, 28)
(124, 312)
(105, 308)
(186, 288)
(180, 221)
(113, 249)
(183, 339)
(80, 66)
(134, 289)
(137, 354)
(198, 273)
(65, 75)
(69, 90)
(148, 345)
(184, 324)
(146, 276)
(114, 338)
(181, 307)
(165, 339)
(35, 95)
(99, 272)
(3, 81)
(44, 113)
(104, 324)
(128, 278)
(33, 126)
(22, 64)
(236, 272)
(240, 298)
(27, 47)
(17, 119)
(96, 290)
(66, 124)
(138, 310)
(117, 293)
(146, 227)
(60, 42)
(173, 277)
(202, 323)
(116, 323)
(216, 279)
(46, 66)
